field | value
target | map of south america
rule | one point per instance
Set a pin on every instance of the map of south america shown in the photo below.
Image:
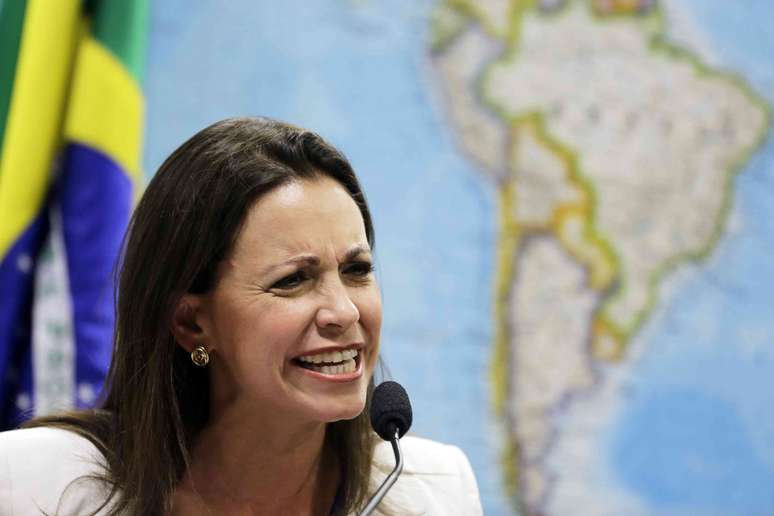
(613, 152)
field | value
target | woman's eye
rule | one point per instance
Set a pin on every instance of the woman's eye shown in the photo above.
(359, 269)
(291, 281)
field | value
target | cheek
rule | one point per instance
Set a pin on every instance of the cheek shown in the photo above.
(259, 333)
(370, 307)
(277, 329)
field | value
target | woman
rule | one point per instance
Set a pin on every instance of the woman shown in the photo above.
(247, 333)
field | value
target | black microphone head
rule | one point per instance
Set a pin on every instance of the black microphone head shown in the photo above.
(390, 410)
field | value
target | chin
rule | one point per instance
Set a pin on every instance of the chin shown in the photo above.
(339, 410)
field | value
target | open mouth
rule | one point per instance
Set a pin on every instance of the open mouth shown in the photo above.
(331, 362)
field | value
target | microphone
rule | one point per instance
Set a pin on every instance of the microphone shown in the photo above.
(390, 418)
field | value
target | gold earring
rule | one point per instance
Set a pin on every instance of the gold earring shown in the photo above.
(200, 357)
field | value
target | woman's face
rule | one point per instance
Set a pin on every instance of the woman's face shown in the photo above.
(294, 321)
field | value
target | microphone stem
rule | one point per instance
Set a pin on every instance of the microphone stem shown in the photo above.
(390, 480)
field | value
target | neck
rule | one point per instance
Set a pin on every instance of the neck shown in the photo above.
(262, 467)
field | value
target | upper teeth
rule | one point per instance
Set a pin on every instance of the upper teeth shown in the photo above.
(330, 357)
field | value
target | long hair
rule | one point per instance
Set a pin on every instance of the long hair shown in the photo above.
(156, 402)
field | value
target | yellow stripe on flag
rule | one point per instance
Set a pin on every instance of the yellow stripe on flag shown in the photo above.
(106, 107)
(33, 129)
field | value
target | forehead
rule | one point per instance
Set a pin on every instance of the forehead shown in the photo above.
(316, 215)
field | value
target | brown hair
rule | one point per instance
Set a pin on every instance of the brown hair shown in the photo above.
(156, 402)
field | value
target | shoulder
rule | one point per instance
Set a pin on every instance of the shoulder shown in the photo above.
(436, 479)
(41, 438)
(422, 456)
(40, 465)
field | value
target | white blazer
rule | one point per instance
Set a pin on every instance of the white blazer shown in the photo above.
(40, 470)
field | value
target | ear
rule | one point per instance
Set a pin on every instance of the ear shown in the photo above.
(188, 325)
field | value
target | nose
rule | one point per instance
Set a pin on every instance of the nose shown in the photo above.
(337, 311)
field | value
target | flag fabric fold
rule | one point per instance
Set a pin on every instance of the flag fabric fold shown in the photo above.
(72, 115)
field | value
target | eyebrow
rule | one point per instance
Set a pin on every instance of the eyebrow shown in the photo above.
(355, 251)
(310, 260)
